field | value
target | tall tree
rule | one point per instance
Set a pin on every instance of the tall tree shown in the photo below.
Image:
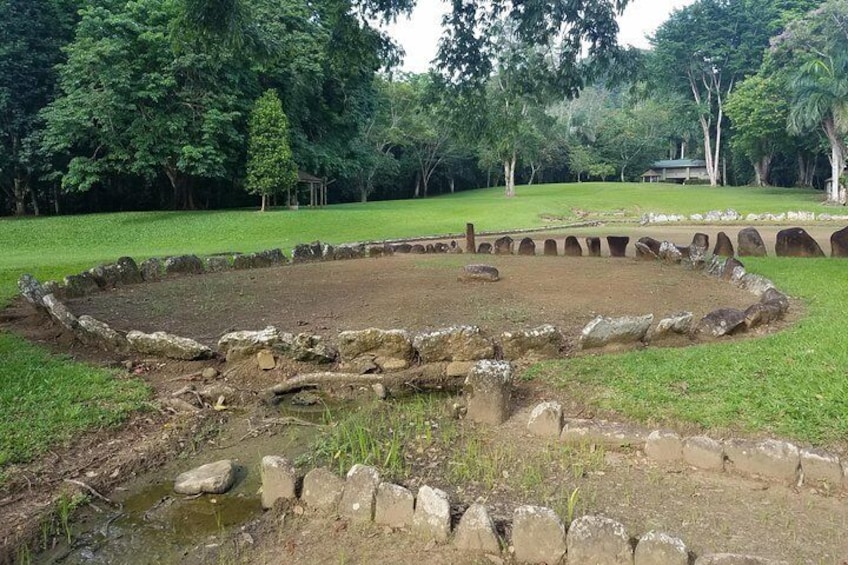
(270, 167)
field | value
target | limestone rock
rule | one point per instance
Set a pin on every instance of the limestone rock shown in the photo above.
(664, 447)
(476, 531)
(432, 514)
(32, 290)
(538, 535)
(383, 347)
(306, 347)
(212, 478)
(644, 253)
(527, 247)
(184, 264)
(360, 493)
(657, 548)
(604, 331)
(701, 241)
(820, 467)
(504, 246)
(59, 312)
(259, 260)
(723, 246)
(163, 344)
(755, 284)
(839, 243)
(322, 490)
(796, 242)
(544, 342)
(248, 342)
(679, 323)
(483, 273)
(763, 313)
(593, 246)
(488, 388)
(734, 559)
(598, 540)
(768, 458)
(617, 245)
(572, 247)
(669, 253)
(578, 431)
(82, 284)
(278, 480)
(721, 322)
(546, 420)
(95, 332)
(550, 249)
(151, 269)
(704, 453)
(458, 343)
(750, 243)
(733, 269)
(394, 506)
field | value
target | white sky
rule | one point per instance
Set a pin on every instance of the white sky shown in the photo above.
(419, 34)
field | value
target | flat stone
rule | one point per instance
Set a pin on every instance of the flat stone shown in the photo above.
(544, 342)
(278, 480)
(322, 489)
(265, 360)
(432, 514)
(248, 342)
(395, 506)
(546, 420)
(388, 349)
(721, 322)
(95, 332)
(821, 467)
(657, 548)
(476, 531)
(488, 389)
(59, 312)
(458, 343)
(735, 559)
(768, 458)
(163, 344)
(598, 540)
(599, 432)
(679, 323)
(184, 264)
(212, 478)
(704, 453)
(665, 447)
(605, 331)
(360, 493)
(538, 535)
(482, 273)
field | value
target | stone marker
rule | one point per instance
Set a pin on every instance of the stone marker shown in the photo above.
(278, 480)
(247, 343)
(430, 248)
(839, 243)
(670, 253)
(527, 247)
(679, 323)
(768, 458)
(394, 506)
(418, 249)
(388, 349)
(217, 264)
(763, 313)
(163, 344)
(665, 447)
(704, 453)
(504, 245)
(593, 245)
(604, 331)
(151, 269)
(819, 467)
(403, 248)
(59, 312)
(470, 244)
(721, 322)
(458, 343)
(723, 246)
(476, 531)
(598, 540)
(544, 342)
(796, 242)
(322, 489)
(735, 559)
(482, 273)
(617, 245)
(576, 431)
(538, 535)
(551, 248)
(546, 420)
(360, 493)
(657, 548)
(82, 284)
(572, 247)
(485, 248)
(212, 478)
(184, 264)
(488, 389)
(731, 267)
(701, 240)
(95, 332)
(432, 514)
(32, 290)
(750, 243)
(265, 360)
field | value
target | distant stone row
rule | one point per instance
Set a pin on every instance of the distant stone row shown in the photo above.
(730, 215)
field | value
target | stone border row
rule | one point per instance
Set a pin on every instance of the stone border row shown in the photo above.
(731, 215)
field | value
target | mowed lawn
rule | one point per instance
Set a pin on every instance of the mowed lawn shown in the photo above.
(803, 400)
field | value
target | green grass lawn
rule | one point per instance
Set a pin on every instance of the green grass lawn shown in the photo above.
(786, 384)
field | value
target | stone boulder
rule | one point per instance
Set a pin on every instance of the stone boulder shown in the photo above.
(306, 347)
(304, 252)
(606, 331)
(551, 248)
(322, 489)
(418, 249)
(768, 458)
(151, 269)
(657, 548)
(394, 506)
(485, 249)
(476, 531)
(839, 243)
(59, 312)
(593, 246)
(504, 246)
(723, 246)
(544, 342)
(538, 535)
(161, 344)
(648, 249)
(388, 349)
(750, 243)
(679, 323)
(243, 344)
(432, 518)
(32, 291)
(123, 271)
(360, 493)
(458, 343)
(721, 322)
(488, 389)
(733, 270)
(184, 265)
(598, 540)
(94, 332)
(212, 478)
(704, 453)
(481, 273)
(763, 313)
(82, 284)
(218, 264)
(796, 242)
(670, 253)
(546, 420)
(821, 467)
(279, 480)
(403, 248)
(259, 260)
(527, 247)
(617, 245)
(572, 247)
(701, 240)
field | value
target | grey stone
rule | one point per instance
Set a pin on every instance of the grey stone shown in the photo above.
(488, 389)
(360, 493)
(796, 242)
(322, 490)
(212, 478)
(432, 514)
(306, 347)
(482, 273)
(184, 264)
(768, 458)
(572, 247)
(82, 284)
(456, 369)
(485, 249)
(527, 247)
(664, 447)
(604, 331)
(763, 313)
(476, 531)
(383, 347)
(657, 548)
(538, 535)
(209, 373)
(546, 420)
(218, 264)
(598, 540)
(151, 269)
(304, 252)
(394, 506)
(721, 322)
(750, 243)
(458, 343)
(577, 431)
(723, 246)
(278, 480)
(550, 249)
(544, 342)
(821, 467)
(59, 312)
(504, 246)
(248, 343)
(669, 253)
(839, 243)
(755, 284)
(617, 245)
(679, 323)
(593, 246)
(163, 344)
(644, 252)
(94, 332)
(735, 559)
(704, 453)
(32, 290)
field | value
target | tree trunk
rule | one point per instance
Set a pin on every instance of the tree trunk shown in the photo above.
(417, 186)
(35, 209)
(20, 192)
(264, 202)
(761, 170)
(533, 169)
(452, 185)
(837, 161)
(363, 194)
(509, 176)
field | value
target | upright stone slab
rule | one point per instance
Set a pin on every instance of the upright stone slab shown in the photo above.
(733, 270)
(704, 453)
(527, 247)
(617, 245)
(360, 493)
(657, 548)
(60, 313)
(218, 264)
(418, 249)
(796, 242)
(151, 269)
(723, 246)
(839, 243)
(750, 243)
(504, 246)
(322, 489)
(768, 458)
(184, 265)
(432, 514)
(670, 253)
(701, 240)
(470, 242)
(551, 248)
(485, 248)
(648, 249)
(476, 531)
(82, 284)
(598, 540)
(593, 246)
(488, 390)
(572, 247)
(538, 535)
(395, 506)
(278, 480)
(546, 420)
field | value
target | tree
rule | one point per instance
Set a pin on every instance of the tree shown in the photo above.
(270, 167)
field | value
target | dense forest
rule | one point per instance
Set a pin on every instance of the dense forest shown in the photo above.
(160, 104)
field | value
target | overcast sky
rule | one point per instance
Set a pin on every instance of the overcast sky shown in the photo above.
(419, 34)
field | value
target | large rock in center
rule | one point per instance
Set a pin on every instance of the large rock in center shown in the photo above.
(163, 344)
(484, 273)
(751, 243)
(489, 390)
(390, 349)
(605, 331)
(212, 478)
(458, 343)
(538, 535)
(598, 540)
(796, 242)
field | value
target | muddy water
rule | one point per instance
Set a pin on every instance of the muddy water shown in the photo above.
(156, 525)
